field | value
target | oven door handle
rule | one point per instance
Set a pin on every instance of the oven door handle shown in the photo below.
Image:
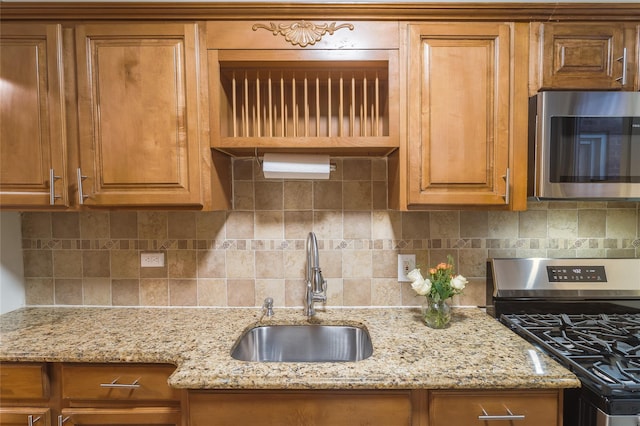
(508, 416)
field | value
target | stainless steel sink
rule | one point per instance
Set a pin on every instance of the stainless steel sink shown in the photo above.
(303, 343)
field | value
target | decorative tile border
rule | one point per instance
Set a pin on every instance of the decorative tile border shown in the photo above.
(336, 244)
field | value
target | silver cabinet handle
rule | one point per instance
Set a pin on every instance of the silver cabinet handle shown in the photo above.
(61, 420)
(623, 78)
(115, 385)
(507, 182)
(80, 178)
(508, 416)
(52, 187)
(32, 420)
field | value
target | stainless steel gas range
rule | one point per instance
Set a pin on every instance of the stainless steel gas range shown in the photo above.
(586, 314)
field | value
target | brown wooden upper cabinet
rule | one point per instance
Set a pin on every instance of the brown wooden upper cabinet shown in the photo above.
(586, 56)
(32, 130)
(138, 114)
(325, 86)
(467, 115)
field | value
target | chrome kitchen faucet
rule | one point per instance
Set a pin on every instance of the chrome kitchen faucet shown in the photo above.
(316, 285)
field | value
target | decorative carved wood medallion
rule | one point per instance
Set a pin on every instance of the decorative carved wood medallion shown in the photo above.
(302, 33)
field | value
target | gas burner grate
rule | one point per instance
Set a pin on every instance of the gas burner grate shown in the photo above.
(604, 349)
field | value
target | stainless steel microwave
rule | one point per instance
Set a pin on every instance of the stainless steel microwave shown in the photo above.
(586, 145)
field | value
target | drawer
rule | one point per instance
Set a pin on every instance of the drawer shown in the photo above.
(118, 382)
(488, 408)
(23, 381)
(25, 416)
(147, 416)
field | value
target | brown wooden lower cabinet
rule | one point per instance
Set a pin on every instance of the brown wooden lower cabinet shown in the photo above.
(494, 408)
(117, 382)
(169, 416)
(295, 408)
(119, 394)
(376, 407)
(54, 394)
(25, 397)
(25, 416)
(41, 394)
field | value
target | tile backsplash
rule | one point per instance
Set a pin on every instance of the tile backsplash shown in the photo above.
(239, 257)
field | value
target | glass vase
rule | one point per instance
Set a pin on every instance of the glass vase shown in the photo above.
(436, 314)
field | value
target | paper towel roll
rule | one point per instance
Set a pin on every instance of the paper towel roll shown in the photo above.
(296, 166)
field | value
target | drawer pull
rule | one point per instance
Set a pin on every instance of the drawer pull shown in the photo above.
(31, 420)
(62, 420)
(508, 416)
(116, 385)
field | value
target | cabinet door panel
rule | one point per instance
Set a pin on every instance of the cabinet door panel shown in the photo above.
(296, 408)
(22, 416)
(137, 87)
(31, 116)
(578, 56)
(23, 381)
(467, 408)
(459, 114)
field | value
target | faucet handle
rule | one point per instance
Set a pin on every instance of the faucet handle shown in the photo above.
(323, 282)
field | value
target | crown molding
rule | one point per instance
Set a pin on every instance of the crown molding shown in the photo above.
(404, 11)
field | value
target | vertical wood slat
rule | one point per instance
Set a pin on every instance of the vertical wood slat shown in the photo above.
(234, 106)
(243, 120)
(283, 108)
(373, 121)
(329, 112)
(317, 105)
(377, 105)
(270, 107)
(341, 107)
(352, 116)
(263, 104)
(294, 107)
(363, 123)
(306, 105)
(246, 104)
(258, 131)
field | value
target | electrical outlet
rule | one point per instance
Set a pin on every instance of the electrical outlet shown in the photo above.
(406, 263)
(152, 260)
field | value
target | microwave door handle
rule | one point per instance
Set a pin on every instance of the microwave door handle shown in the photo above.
(623, 78)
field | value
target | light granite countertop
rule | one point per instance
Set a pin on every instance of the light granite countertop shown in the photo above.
(475, 352)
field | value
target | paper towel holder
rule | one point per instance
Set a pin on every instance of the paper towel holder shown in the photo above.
(295, 166)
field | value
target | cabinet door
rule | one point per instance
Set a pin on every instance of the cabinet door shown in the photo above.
(579, 56)
(138, 114)
(460, 100)
(294, 408)
(167, 416)
(32, 129)
(485, 408)
(23, 416)
(22, 381)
